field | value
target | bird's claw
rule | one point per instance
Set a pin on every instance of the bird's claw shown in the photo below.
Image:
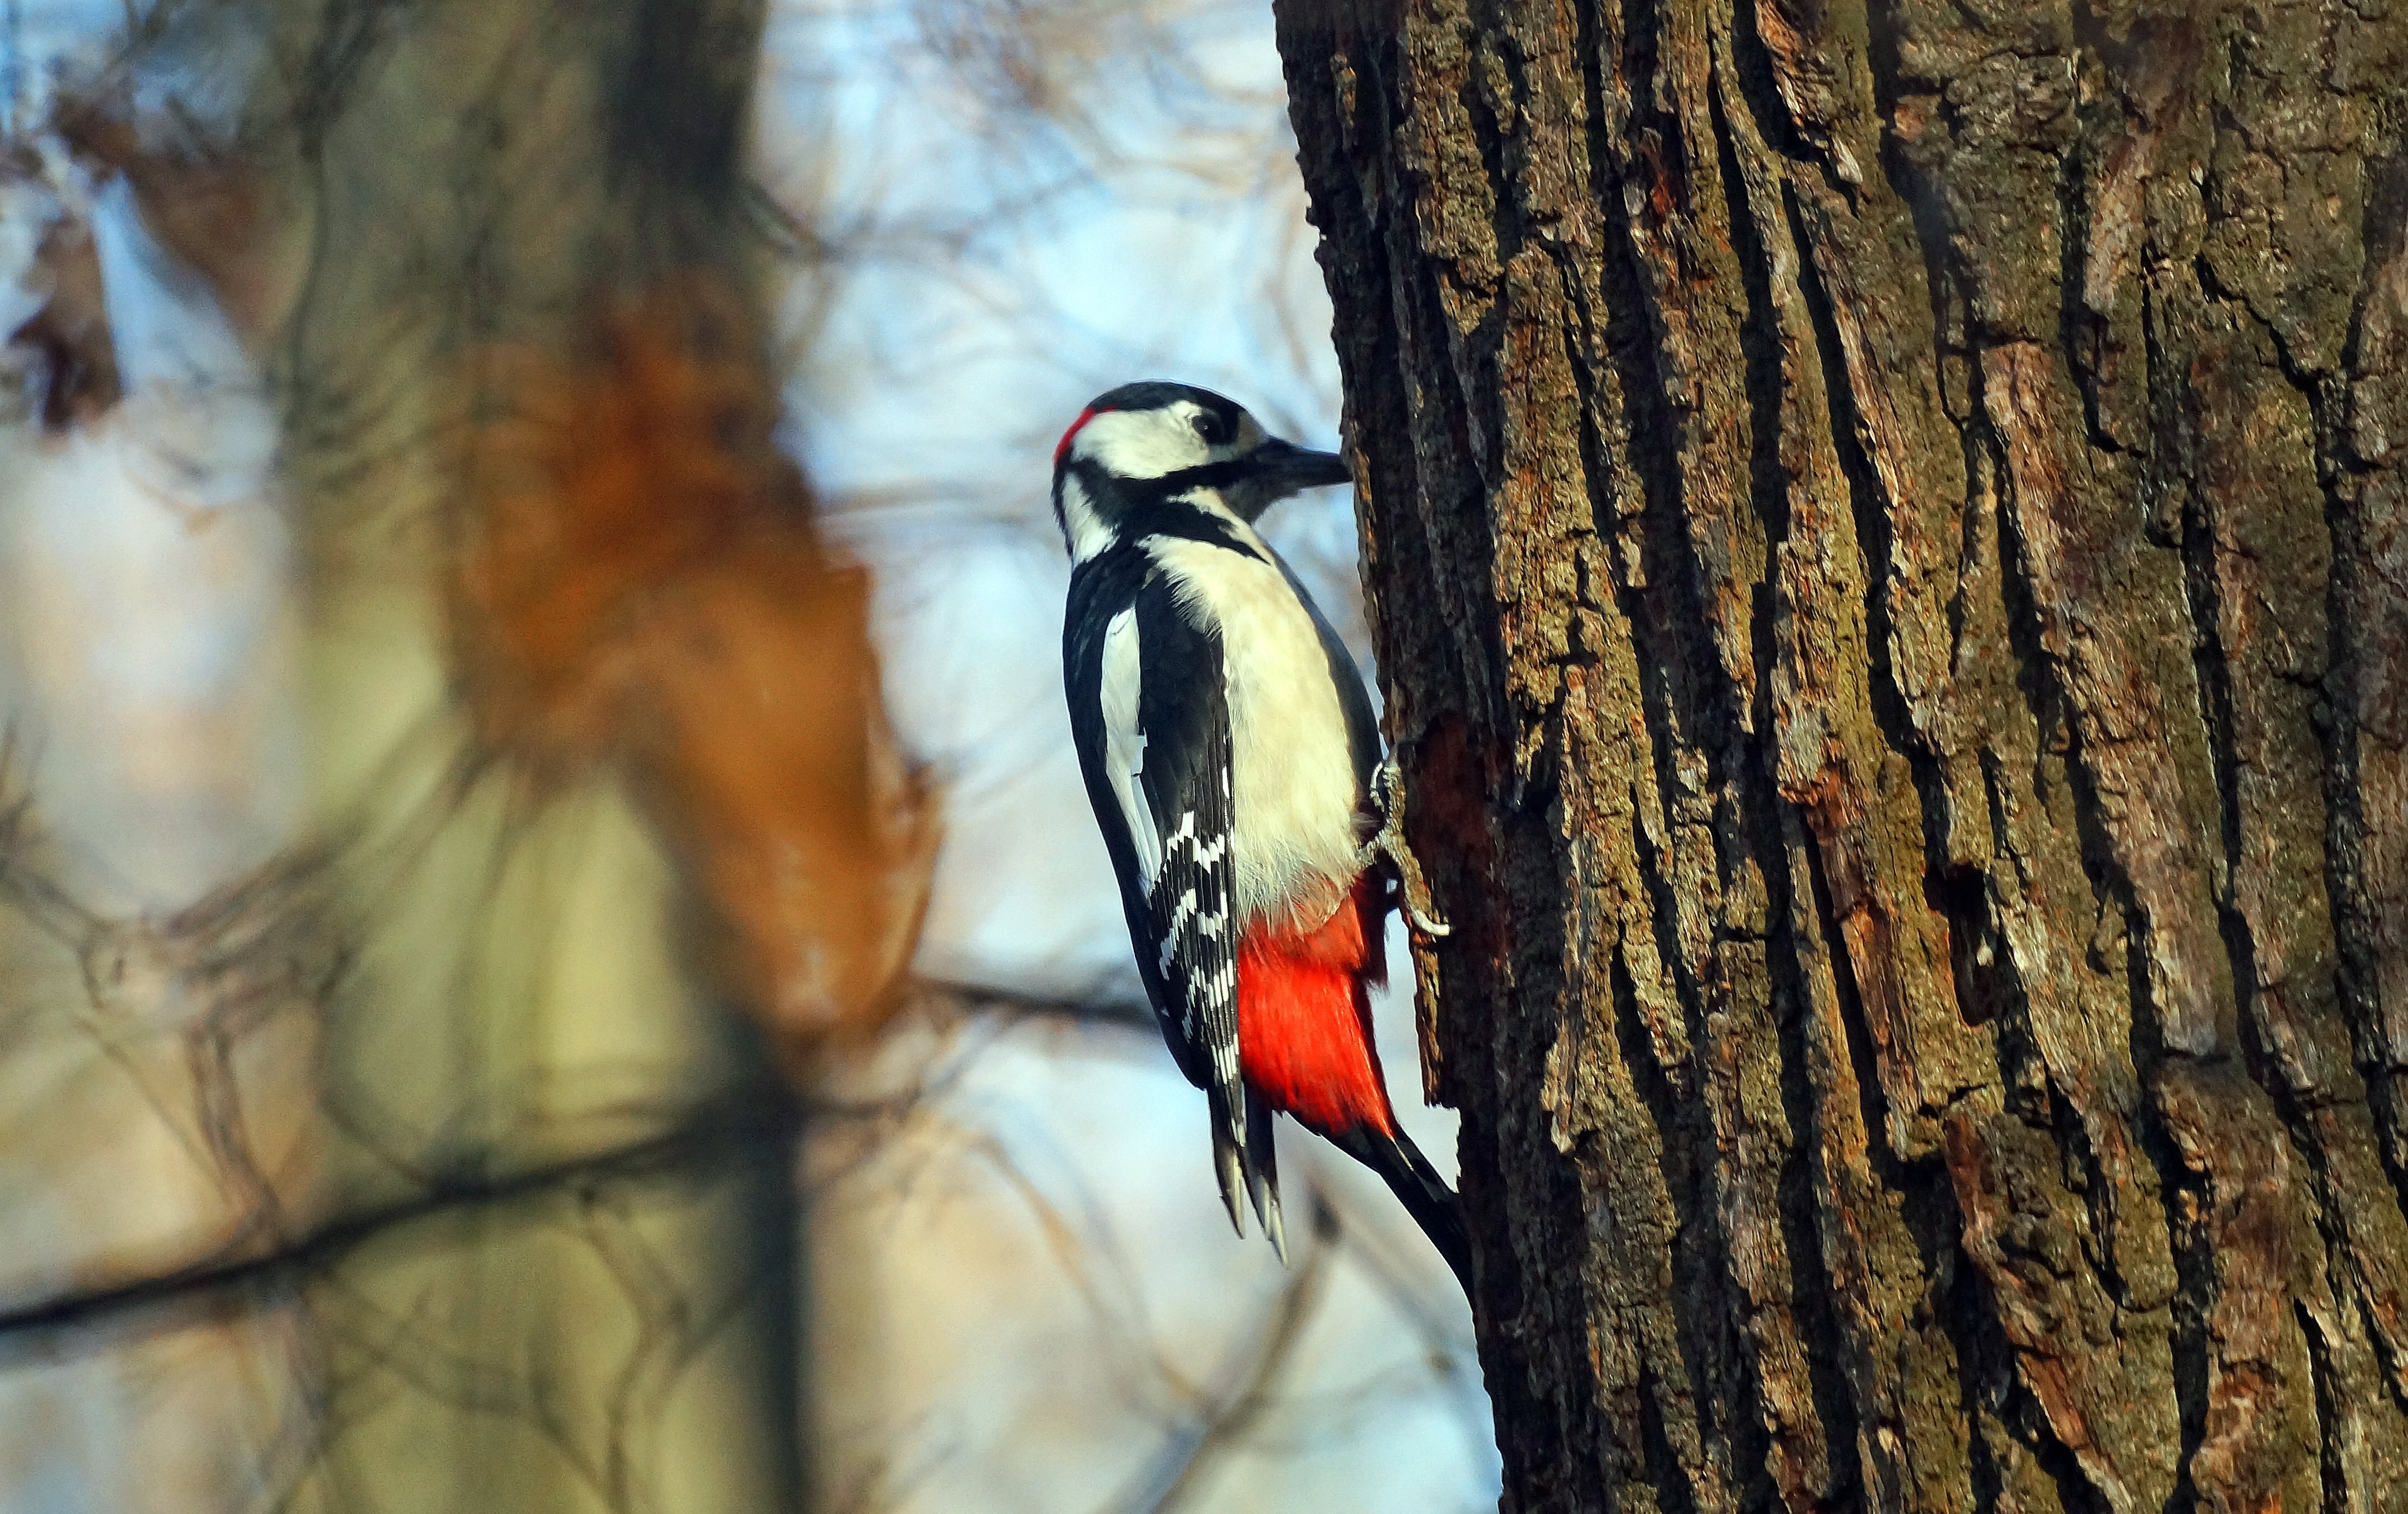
(1427, 924)
(1389, 842)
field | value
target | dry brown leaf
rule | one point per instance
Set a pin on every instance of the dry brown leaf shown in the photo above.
(638, 580)
(70, 334)
(207, 204)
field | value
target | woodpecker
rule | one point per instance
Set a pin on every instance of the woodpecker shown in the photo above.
(1233, 762)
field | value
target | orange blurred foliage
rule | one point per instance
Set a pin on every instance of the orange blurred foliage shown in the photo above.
(638, 581)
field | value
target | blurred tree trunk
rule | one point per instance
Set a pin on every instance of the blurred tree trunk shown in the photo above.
(433, 1092)
(1892, 589)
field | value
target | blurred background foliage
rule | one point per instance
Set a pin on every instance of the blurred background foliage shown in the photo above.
(551, 952)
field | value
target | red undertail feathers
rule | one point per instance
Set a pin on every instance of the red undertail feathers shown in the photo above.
(1304, 1016)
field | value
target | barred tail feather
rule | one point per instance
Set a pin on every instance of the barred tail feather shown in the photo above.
(1230, 1163)
(1263, 1171)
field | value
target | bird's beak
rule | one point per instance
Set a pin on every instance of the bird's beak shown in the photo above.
(1276, 468)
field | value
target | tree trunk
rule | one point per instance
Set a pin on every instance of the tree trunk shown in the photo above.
(1891, 587)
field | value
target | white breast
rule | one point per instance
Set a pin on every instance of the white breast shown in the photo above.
(1294, 793)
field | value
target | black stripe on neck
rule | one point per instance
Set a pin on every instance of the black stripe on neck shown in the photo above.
(1133, 509)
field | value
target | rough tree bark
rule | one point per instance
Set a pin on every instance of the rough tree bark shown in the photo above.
(1890, 579)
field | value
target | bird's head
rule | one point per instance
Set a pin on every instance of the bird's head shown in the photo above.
(1149, 444)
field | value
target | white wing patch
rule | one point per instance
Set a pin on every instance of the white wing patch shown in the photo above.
(1124, 742)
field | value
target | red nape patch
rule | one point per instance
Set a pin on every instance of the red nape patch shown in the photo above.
(1062, 448)
(1304, 1018)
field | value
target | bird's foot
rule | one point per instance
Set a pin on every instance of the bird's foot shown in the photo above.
(1388, 785)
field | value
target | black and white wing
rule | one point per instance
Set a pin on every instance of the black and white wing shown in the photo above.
(1150, 711)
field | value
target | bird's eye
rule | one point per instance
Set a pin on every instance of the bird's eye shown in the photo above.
(1215, 429)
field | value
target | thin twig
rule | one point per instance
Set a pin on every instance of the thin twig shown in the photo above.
(711, 1136)
(1178, 1469)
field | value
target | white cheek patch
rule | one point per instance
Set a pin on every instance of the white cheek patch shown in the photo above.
(1083, 531)
(1143, 443)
